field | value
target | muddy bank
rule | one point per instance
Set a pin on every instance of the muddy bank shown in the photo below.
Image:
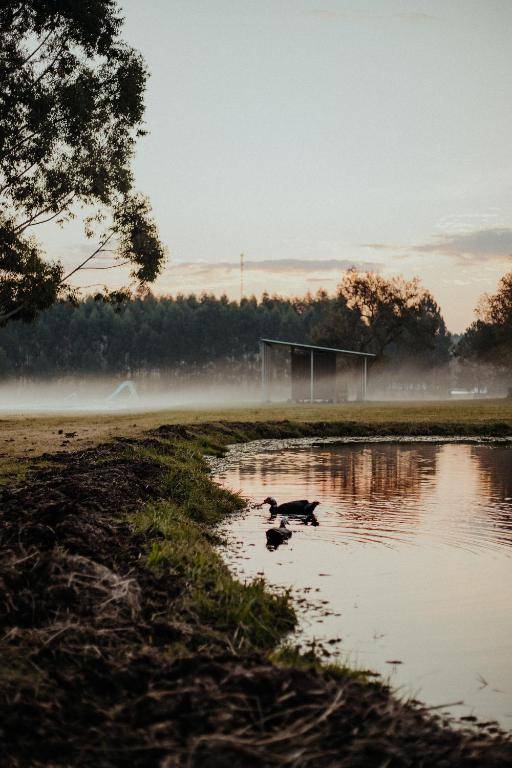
(125, 642)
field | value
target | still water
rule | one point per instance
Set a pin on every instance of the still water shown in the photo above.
(413, 556)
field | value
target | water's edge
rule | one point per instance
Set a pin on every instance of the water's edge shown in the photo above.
(235, 450)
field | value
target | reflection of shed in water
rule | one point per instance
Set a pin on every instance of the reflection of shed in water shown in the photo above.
(316, 373)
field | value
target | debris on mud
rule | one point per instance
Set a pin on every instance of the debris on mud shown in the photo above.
(107, 661)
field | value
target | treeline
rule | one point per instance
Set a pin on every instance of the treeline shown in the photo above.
(145, 334)
(396, 319)
(488, 341)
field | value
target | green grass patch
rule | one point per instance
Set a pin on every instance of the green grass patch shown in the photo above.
(12, 471)
(186, 482)
(15, 470)
(316, 658)
(181, 539)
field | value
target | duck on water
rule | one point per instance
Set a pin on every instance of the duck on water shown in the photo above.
(301, 509)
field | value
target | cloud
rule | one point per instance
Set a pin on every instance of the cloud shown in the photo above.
(475, 247)
(411, 17)
(479, 246)
(470, 222)
(277, 266)
(286, 277)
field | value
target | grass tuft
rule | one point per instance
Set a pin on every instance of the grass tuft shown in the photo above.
(181, 541)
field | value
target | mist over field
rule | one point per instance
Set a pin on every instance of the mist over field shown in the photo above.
(97, 394)
(161, 353)
(224, 388)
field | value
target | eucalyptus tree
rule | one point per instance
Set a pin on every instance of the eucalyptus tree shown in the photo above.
(387, 316)
(71, 109)
(489, 338)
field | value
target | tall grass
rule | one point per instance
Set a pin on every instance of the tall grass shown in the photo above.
(181, 538)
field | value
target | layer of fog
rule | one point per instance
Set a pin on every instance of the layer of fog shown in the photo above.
(118, 394)
(216, 391)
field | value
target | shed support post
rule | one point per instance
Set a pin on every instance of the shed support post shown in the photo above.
(263, 356)
(311, 377)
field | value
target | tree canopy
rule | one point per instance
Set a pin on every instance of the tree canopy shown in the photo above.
(489, 338)
(372, 313)
(71, 109)
(192, 333)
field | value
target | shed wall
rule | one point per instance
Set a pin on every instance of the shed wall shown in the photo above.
(324, 375)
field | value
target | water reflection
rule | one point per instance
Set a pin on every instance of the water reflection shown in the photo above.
(495, 476)
(417, 543)
(378, 470)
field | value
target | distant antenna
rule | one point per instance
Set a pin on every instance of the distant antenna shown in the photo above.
(241, 276)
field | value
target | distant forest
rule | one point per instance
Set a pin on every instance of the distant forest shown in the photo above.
(119, 335)
(192, 334)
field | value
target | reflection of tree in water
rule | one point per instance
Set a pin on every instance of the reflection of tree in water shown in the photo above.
(363, 472)
(384, 472)
(494, 466)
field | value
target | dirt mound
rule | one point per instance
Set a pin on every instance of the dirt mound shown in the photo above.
(104, 664)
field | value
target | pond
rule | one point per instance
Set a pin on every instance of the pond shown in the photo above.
(413, 557)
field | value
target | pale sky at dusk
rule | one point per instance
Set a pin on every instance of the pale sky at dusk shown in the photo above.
(329, 133)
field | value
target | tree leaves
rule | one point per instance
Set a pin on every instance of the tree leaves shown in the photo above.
(371, 313)
(71, 107)
(489, 338)
(138, 237)
(28, 284)
(190, 333)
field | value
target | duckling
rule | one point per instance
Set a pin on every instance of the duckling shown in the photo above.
(277, 536)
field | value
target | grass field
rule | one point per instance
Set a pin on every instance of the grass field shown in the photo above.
(127, 642)
(34, 434)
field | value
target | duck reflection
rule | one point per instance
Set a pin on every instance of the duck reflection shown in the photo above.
(370, 490)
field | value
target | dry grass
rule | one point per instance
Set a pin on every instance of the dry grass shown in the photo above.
(29, 436)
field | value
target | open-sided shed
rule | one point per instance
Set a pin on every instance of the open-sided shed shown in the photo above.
(313, 370)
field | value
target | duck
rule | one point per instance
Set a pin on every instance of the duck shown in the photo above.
(301, 509)
(277, 536)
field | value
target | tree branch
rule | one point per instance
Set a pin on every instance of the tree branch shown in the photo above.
(20, 143)
(57, 213)
(18, 176)
(36, 49)
(23, 141)
(112, 266)
(50, 65)
(76, 269)
(13, 312)
(31, 222)
(21, 307)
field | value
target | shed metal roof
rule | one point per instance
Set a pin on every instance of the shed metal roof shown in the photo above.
(296, 345)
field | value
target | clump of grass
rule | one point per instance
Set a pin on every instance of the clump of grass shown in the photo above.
(186, 482)
(14, 470)
(313, 658)
(247, 613)
(180, 538)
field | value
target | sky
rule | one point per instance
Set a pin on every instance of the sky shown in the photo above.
(316, 135)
